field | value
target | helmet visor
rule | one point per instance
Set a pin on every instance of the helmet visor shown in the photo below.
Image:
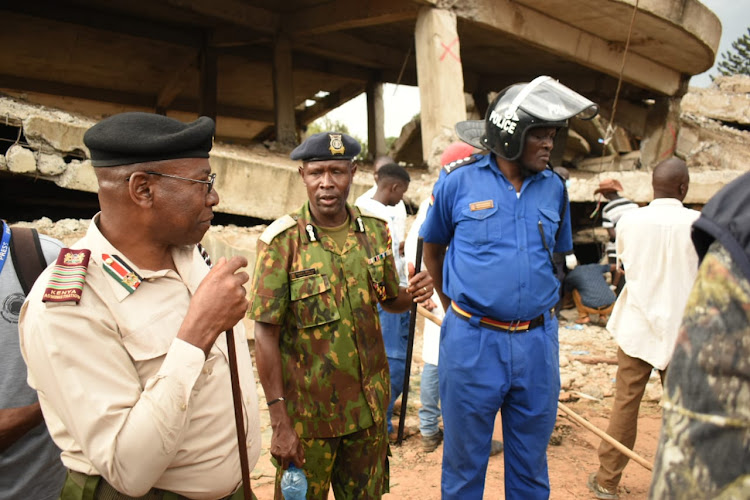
(550, 100)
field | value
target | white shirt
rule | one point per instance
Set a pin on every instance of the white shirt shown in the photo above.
(122, 396)
(660, 262)
(431, 331)
(396, 217)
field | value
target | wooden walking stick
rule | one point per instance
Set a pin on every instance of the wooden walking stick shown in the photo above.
(409, 349)
(577, 418)
(234, 375)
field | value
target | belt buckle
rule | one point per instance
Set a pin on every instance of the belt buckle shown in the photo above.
(514, 327)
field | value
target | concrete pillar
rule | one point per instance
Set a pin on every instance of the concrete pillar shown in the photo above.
(441, 81)
(283, 92)
(375, 121)
(662, 128)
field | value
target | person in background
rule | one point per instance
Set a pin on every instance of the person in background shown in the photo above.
(124, 337)
(488, 243)
(617, 205)
(564, 262)
(393, 182)
(654, 247)
(29, 459)
(591, 292)
(705, 436)
(319, 275)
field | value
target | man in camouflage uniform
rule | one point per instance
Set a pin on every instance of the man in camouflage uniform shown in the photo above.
(705, 437)
(319, 275)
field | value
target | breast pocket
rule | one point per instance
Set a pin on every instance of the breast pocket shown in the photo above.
(479, 227)
(550, 220)
(312, 301)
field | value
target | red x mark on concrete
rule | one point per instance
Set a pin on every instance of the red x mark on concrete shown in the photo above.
(449, 51)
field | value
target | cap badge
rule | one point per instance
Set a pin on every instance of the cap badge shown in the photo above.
(337, 145)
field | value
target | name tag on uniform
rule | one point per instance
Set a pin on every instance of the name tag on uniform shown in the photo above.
(305, 272)
(482, 205)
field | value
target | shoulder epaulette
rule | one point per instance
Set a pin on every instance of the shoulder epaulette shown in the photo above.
(462, 162)
(68, 276)
(367, 213)
(276, 228)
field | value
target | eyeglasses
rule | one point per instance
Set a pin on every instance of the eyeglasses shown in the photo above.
(209, 182)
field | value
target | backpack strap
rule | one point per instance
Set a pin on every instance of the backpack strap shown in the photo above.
(27, 255)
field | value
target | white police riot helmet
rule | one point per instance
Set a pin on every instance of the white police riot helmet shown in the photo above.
(543, 102)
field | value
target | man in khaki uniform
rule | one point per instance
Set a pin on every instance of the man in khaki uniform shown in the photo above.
(123, 336)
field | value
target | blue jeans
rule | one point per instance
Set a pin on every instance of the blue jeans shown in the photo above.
(395, 327)
(429, 396)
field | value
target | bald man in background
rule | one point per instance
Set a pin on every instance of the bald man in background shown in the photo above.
(656, 250)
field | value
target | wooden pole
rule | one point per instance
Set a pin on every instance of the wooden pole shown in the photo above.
(238, 420)
(577, 418)
(619, 446)
(409, 349)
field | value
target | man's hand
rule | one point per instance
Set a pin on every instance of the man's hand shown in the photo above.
(219, 303)
(16, 422)
(285, 444)
(420, 285)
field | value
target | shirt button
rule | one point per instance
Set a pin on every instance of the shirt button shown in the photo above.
(183, 407)
(510, 188)
(523, 285)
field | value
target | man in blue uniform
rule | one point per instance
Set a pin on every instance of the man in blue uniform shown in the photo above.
(501, 215)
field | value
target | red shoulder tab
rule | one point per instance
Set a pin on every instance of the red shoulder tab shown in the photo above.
(68, 276)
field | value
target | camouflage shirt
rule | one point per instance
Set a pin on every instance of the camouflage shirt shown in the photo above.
(704, 450)
(324, 298)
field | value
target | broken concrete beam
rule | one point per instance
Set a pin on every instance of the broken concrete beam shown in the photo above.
(611, 163)
(737, 84)
(48, 164)
(20, 160)
(713, 103)
(62, 136)
(576, 147)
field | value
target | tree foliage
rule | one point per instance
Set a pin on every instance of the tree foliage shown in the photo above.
(737, 60)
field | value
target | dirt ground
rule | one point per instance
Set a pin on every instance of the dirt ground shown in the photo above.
(587, 389)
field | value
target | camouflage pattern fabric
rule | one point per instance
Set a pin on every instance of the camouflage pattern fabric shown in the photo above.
(704, 450)
(324, 298)
(355, 465)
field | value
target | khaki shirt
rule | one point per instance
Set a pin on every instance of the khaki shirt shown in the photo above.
(122, 397)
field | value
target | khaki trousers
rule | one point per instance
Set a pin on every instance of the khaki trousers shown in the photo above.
(632, 377)
(584, 310)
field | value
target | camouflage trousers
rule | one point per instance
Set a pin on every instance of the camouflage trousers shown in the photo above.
(355, 465)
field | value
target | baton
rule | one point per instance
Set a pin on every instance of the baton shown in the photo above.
(238, 421)
(409, 348)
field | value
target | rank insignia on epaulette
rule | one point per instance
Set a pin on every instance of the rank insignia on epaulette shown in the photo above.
(462, 162)
(121, 272)
(68, 276)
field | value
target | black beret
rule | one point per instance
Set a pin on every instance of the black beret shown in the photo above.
(327, 146)
(137, 137)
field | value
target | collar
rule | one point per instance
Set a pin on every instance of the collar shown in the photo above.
(101, 248)
(666, 202)
(311, 230)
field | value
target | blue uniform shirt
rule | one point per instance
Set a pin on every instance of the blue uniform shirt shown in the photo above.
(496, 264)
